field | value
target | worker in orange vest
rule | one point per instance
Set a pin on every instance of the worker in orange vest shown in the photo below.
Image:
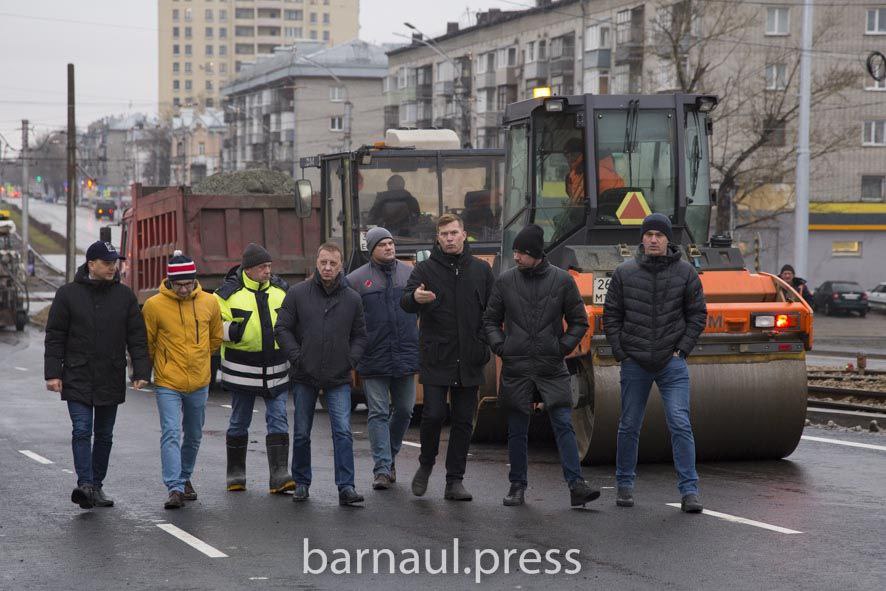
(607, 177)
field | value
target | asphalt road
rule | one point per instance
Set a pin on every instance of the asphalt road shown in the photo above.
(831, 495)
(55, 214)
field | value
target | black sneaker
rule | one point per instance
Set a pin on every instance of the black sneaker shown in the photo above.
(420, 480)
(691, 504)
(348, 496)
(515, 495)
(99, 499)
(580, 492)
(624, 497)
(381, 482)
(190, 494)
(176, 500)
(455, 491)
(82, 495)
(301, 493)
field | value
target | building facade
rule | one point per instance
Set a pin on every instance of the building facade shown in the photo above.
(109, 157)
(204, 43)
(302, 101)
(196, 147)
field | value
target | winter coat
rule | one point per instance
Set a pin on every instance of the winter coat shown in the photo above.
(654, 307)
(182, 335)
(322, 332)
(251, 360)
(799, 285)
(91, 326)
(392, 333)
(532, 305)
(452, 347)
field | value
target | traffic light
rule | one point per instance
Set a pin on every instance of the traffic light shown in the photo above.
(90, 183)
(38, 178)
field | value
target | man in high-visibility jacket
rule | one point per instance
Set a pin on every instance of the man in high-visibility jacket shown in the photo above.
(253, 365)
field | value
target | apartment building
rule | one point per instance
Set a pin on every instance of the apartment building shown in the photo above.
(196, 147)
(624, 46)
(204, 43)
(304, 100)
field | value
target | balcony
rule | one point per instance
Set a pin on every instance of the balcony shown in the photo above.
(444, 87)
(562, 66)
(486, 80)
(597, 58)
(506, 76)
(490, 119)
(393, 98)
(424, 91)
(536, 70)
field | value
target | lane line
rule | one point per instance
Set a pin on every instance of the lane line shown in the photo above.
(409, 443)
(22, 368)
(735, 519)
(232, 408)
(846, 443)
(36, 457)
(66, 471)
(191, 541)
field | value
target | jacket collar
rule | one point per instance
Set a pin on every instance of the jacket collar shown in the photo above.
(655, 263)
(338, 284)
(451, 260)
(82, 276)
(537, 270)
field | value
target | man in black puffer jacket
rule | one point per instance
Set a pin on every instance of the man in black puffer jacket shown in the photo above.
(449, 293)
(654, 313)
(532, 300)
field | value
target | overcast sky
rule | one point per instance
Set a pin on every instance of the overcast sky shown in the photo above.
(113, 46)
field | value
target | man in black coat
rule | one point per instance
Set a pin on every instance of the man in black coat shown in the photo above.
(322, 330)
(92, 323)
(532, 300)
(654, 313)
(789, 276)
(449, 292)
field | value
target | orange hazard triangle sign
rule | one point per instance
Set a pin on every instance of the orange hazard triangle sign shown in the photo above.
(633, 209)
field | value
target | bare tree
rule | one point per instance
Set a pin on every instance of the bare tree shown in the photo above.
(709, 49)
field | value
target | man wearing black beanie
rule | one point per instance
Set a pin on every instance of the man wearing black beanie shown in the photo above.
(531, 301)
(654, 313)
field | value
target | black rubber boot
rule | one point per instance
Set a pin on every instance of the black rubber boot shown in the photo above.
(236, 479)
(580, 492)
(420, 480)
(455, 491)
(516, 496)
(278, 463)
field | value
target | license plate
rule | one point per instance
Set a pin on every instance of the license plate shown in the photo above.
(601, 286)
(850, 296)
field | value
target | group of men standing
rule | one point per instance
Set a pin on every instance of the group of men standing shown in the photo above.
(387, 321)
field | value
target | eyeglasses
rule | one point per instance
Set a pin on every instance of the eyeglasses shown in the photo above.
(178, 286)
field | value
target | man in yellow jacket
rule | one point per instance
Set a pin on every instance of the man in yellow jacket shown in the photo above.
(184, 328)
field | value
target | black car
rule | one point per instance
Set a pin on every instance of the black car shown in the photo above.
(841, 296)
(105, 209)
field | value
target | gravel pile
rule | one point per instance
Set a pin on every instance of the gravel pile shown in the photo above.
(256, 180)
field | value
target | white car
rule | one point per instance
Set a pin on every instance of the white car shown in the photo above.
(877, 298)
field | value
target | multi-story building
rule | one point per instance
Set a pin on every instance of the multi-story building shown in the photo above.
(105, 155)
(203, 43)
(748, 53)
(196, 147)
(302, 101)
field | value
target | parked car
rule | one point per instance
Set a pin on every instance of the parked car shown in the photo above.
(841, 296)
(105, 208)
(877, 298)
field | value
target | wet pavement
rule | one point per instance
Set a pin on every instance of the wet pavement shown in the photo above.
(814, 520)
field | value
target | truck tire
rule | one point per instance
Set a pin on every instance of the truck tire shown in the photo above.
(21, 320)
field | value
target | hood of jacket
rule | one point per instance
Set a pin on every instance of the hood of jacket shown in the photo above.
(171, 293)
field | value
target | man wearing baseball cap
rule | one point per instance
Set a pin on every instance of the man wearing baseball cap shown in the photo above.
(184, 329)
(92, 323)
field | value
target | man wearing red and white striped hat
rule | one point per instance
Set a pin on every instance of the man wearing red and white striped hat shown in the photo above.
(184, 328)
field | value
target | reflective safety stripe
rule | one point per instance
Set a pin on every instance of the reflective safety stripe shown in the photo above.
(278, 382)
(254, 382)
(239, 367)
(226, 332)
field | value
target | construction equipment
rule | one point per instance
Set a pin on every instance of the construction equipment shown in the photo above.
(640, 154)
(14, 300)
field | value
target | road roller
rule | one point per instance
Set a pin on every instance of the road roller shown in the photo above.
(588, 169)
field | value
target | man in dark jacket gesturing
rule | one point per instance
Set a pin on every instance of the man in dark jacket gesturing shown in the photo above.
(321, 328)
(654, 313)
(449, 292)
(532, 300)
(390, 362)
(92, 323)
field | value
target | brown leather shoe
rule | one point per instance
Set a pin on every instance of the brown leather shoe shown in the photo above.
(382, 482)
(176, 500)
(190, 494)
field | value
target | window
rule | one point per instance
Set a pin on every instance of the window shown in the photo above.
(175, 85)
(188, 85)
(313, 35)
(529, 53)
(872, 187)
(313, 18)
(486, 63)
(210, 50)
(776, 76)
(175, 33)
(402, 77)
(175, 67)
(175, 49)
(187, 14)
(325, 35)
(187, 67)
(222, 67)
(244, 49)
(176, 102)
(777, 137)
(209, 85)
(871, 84)
(336, 94)
(209, 33)
(222, 15)
(506, 57)
(201, 148)
(336, 123)
(208, 68)
(223, 50)
(667, 75)
(874, 133)
(325, 18)
(596, 82)
(187, 50)
(294, 15)
(210, 103)
(596, 37)
(208, 15)
(188, 33)
(222, 32)
(876, 21)
(623, 26)
(244, 31)
(778, 20)
(846, 248)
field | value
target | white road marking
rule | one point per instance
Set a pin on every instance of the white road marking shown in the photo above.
(36, 457)
(735, 519)
(22, 368)
(409, 443)
(232, 408)
(607, 487)
(66, 471)
(191, 541)
(258, 578)
(846, 443)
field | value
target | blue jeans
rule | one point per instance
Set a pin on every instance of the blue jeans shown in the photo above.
(91, 456)
(673, 383)
(518, 444)
(180, 411)
(338, 403)
(242, 404)
(389, 417)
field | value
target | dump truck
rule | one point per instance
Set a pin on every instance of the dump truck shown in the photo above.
(639, 154)
(13, 278)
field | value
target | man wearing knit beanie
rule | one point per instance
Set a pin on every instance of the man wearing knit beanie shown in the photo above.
(182, 366)
(654, 313)
(530, 303)
(255, 255)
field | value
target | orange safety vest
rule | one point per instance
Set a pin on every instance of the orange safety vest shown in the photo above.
(607, 178)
